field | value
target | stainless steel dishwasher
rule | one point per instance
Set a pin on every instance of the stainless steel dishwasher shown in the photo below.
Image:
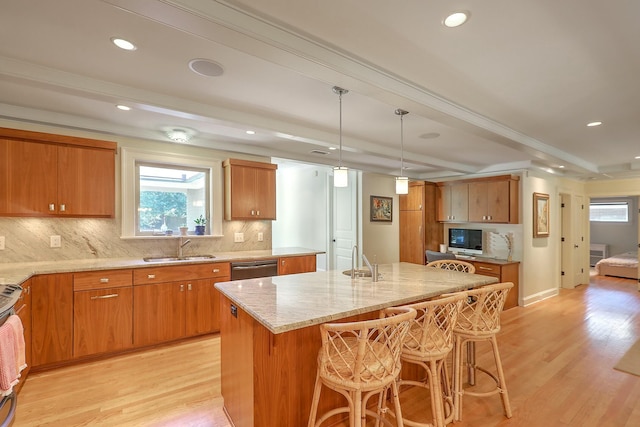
(254, 269)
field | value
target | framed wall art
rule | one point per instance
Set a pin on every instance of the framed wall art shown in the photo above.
(381, 208)
(540, 215)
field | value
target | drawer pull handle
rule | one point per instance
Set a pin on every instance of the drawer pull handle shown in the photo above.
(104, 280)
(216, 270)
(181, 288)
(189, 286)
(484, 268)
(104, 296)
(151, 276)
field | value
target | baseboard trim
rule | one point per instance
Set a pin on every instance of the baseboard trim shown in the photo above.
(532, 299)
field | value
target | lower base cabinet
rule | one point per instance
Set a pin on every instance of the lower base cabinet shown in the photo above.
(504, 271)
(102, 321)
(296, 264)
(159, 313)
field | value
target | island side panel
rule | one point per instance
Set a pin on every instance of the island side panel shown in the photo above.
(236, 353)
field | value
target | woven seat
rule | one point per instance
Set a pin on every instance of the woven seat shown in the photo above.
(479, 320)
(453, 265)
(359, 360)
(427, 344)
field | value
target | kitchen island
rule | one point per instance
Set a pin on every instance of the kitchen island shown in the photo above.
(270, 333)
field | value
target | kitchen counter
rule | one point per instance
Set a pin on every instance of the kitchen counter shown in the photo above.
(285, 303)
(270, 333)
(16, 273)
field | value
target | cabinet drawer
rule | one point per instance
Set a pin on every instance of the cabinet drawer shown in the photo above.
(146, 276)
(487, 269)
(104, 279)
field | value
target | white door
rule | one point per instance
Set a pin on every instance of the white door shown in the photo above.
(574, 243)
(344, 220)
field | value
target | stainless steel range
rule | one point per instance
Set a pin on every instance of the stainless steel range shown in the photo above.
(9, 295)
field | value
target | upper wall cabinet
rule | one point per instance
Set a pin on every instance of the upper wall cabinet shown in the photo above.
(492, 200)
(53, 175)
(249, 190)
(453, 202)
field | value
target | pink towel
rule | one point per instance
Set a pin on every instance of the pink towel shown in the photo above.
(12, 357)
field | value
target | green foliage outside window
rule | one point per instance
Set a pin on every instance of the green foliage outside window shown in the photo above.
(159, 208)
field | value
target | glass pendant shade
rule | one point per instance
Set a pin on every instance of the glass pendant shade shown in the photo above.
(402, 185)
(340, 176)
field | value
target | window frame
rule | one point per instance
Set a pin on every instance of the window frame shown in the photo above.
(611, 202)
(130, 157)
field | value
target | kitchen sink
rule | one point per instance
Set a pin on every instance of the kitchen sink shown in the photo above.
(363, 272)
(175, 258)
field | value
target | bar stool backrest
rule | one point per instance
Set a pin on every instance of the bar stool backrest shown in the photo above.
(453, 265)
(480, 313)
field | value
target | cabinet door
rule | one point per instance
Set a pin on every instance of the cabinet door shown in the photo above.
(414, 200)
(32, 178)
(102, 321)
(4, 176)
(51, 318)
(412, 237)
(460, 202)
(158, 313)
(86, 182)
(202, 306)
(265, 193)
(478, 202)
(296, 264)
(498, 201)
(242, 191)
(23, 310)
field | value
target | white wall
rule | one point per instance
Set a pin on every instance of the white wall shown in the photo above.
(380, 240)
(302, 215)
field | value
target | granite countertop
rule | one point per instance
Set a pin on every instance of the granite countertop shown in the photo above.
(285, 303)
(16, 273)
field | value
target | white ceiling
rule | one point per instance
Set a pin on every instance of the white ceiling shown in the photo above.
(513, 88)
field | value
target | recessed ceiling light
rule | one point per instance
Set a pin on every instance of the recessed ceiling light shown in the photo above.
(430, 135)
(123, 107)
(637, 157)
(561, 166)
(592, 124)
(332, 148)
(456, 19)
(250, 132)
(206, 67)
(123, 44)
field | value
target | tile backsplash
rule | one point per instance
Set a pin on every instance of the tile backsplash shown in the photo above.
(28, 240)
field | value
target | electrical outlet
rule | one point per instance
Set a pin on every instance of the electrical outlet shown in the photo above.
(260, 237)
(1, 243)
(238, 237)
(55, 241)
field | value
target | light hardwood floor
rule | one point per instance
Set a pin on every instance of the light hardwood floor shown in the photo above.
(558, 357)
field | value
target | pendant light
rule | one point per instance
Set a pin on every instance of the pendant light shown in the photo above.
(402, 182)
(340, 173)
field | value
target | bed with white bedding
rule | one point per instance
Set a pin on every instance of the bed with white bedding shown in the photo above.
(621, 265)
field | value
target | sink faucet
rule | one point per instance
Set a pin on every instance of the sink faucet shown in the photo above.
(182, 244)
(354, 256)
(373, 269)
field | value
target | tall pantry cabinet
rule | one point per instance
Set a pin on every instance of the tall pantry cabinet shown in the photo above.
(419, 228)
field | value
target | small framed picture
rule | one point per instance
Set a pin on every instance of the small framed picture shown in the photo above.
(381, 208)
(540, 215)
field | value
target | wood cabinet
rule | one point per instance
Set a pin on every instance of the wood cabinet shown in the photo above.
(494, 201)
(176, 301)
(453, 202)
(504, 271)
(51, 318)
(250, 190)
(296, 264)
(53, 175)
(23, 310)
(419, 228)
(102, 312)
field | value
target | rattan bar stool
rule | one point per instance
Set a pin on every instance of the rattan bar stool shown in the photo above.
(479, 320)
(453, 265)
(359, 360)
(427, 344)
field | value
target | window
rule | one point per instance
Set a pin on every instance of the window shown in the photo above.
(609, 212)
(163, 191)
(169, 197)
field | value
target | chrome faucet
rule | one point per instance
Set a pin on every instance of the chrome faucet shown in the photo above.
(372, 269)
(354, 256)
(182, 244)
(367, 263)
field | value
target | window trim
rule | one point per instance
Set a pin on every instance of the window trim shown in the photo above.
(130, 156)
